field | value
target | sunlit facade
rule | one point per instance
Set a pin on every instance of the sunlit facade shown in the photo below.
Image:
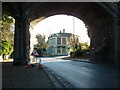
(58, 43)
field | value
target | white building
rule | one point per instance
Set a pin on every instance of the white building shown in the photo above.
(58, 43)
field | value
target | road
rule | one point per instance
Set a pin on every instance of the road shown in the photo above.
(78, 74)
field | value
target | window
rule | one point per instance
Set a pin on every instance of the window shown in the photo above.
(63, 50)
(58, 50)
(63, 41)
(58, 40)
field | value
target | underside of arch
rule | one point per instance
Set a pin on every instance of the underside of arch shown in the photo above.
(100, 22)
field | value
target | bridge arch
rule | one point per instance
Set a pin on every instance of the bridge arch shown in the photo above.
(100, 19)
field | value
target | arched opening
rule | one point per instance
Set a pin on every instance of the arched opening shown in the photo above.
(98, 25)
(62, 26)
(100, 19)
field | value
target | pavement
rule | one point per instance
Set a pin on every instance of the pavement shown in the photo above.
(85, 60)
(77, 59)
(24, 77)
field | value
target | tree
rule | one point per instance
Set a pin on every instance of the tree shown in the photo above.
(7, 48)
(41, 41)
(7, 35)
(7, 28)
(73, 42)
(85, 46)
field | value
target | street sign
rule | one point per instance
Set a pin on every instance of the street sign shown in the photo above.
(34, 53)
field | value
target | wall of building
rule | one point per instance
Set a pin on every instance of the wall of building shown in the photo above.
(58, 45)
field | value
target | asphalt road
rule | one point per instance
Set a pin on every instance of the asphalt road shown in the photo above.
(76, 74)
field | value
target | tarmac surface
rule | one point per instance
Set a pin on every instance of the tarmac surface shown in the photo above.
(79, 74)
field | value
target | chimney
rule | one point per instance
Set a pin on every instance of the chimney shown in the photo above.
(60, 31)
(63, 30)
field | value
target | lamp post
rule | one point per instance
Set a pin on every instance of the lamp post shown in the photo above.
(73, 26)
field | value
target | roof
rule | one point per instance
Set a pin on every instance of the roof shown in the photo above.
(60, 35)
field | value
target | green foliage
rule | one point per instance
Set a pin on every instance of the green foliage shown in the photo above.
(7, 28)
(44, 49)
(78, 52)
(7, 35)
(7, 48)
(79, 46)
(76, 47)
(41, 41)
(1, 24)
(0, 51)
(73, 42)
(7, 19)
(83, 48)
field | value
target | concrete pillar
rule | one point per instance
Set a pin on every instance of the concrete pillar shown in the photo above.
(20, 42)
(118, 29)
(116, 39)
(21, 39)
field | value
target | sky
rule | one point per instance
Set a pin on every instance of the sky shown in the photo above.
(56, 23)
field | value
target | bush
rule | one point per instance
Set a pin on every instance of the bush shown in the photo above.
(7, 48)
(78, 52)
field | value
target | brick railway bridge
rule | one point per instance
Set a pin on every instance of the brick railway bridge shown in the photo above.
(100, 18)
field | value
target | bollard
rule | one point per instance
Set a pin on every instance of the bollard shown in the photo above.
(29, 65)
(40, 65)
(39, 60)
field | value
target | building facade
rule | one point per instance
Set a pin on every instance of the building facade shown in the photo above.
(58, 43)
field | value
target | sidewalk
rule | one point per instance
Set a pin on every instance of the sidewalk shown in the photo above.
(23, 77)
(76, 59)
(88, 61)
